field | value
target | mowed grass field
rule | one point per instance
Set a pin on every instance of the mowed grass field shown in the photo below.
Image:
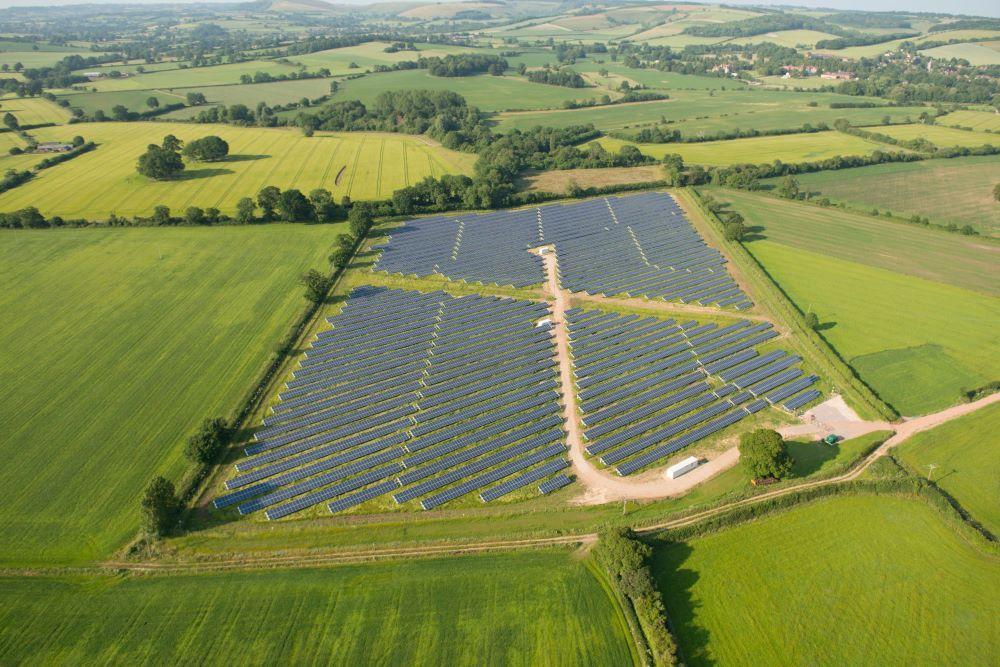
(942, 137)
(916, 341)
(133, 100)
(787, 148)
(977, 120)
(361, 165)
(966, 453)
(488, 93)
(982, 53)
(957, 191)
(33, 110)
(845, 581)
(116, 344)
(193, 76)
(529, 608)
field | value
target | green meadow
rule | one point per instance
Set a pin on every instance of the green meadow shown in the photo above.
(193, 76)
(966, 464)
(529, 608)
(843, 581)
(942, 137)
(977, 120)
(958, 191)
(915, 336)
(116, 344)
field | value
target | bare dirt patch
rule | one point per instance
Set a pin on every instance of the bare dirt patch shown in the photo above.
(558, 181)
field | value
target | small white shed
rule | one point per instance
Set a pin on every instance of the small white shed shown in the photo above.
(685, 466)
(544, 322)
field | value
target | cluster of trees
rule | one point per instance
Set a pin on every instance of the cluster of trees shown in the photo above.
(626, 560)
(465, 64)
(570, 53)
(758, 25)
(208, 441)
(560, 77)
(164, 162)
(860, 40)
(160, 508)
(206, 149)
(267, 77)
(764, 455)
(239, 114)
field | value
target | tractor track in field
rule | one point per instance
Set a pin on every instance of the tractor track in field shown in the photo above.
(903, 431)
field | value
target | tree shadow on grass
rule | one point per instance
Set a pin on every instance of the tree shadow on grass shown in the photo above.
(206, 172)
(244, 157)
(826, 326)
(755, 233)
(675, 584)
(809, 457)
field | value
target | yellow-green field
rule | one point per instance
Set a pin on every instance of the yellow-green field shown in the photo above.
(981, 53)
(939, 136)
(977, 120)
(33, 110)
(361, 165)
(787, 148)
(789, 38)
(193, 76)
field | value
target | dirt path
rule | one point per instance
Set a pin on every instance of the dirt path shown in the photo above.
(665, 306)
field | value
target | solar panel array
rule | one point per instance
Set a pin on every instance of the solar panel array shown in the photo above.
(428, 397)
(635, 245)
(649, 387)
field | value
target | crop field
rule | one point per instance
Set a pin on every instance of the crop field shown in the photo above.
(967, 466)
(977, 120)
(116, 344)
(193, 76)
(361, 165)
(896, 581)
(977, 53)
(369, 54)
(277, 92)
(957, 191)
(559, 180)
(655, 79)
(44, 57)
(33, 110)
(488, 93)
(530, 608)
(940, 136)
(787, 148)
(10, 140)
(789, 38)
(694, 112)
(899, 331)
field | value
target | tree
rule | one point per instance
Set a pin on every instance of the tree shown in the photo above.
(77, 141)
(360, 219)
(194, 216)
(119, 112)
(789, 188)
(326, 209)
(244, 211)
(812, 320)
(152, 102)
(293, 206)
(211, 438)
(161, 162)
(161, 215)
(159, 506)
(10, 121)
(195, 99)
(734, 230)
(763, 454)
(317, 285)
(267, 199)
(207, 149)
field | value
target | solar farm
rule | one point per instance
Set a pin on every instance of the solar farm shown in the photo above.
(427, 398)
(633, 246)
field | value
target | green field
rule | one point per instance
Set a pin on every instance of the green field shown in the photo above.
(278, 92)
(789, 38)
(940, 136)
(116, 343)
(983, 53)
(968, 466)
(977, 120)
(361, 165)
(916, 341)
(369, 54)
(488, 93)
(957, 191)
(193, 76)
(33, 110)
(845, 581)
(532, 608)
(133, 100)
(12, 53)
(787, 148)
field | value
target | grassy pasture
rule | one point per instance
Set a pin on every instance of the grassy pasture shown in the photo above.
(940, 136)
(44, 57)
(977, 53)
(134, 100)
(193, 76)
(528, 608)
(33, 110)
(559, 180)
(369, 54)
(977, 120)
(962, 261)
(842, 581)
(956, 191)
(787, 148)
(967, 464)
(915, 341)
(790, 38)
(277, 92)
(116, 344)
(361, 165)
(489, 93)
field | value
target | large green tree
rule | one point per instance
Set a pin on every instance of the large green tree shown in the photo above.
(207, 149)
(159, 506)
(763, 454)
(161, 162)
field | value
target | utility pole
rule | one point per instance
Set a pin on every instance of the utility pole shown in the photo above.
(930, 470)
